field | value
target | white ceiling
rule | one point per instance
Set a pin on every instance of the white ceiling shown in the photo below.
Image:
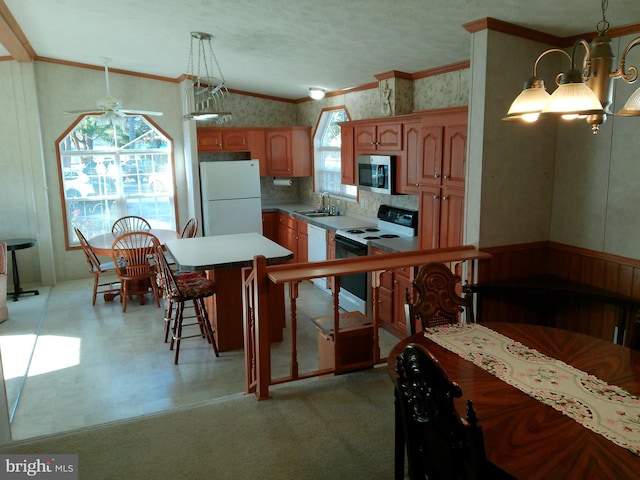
(282, 47)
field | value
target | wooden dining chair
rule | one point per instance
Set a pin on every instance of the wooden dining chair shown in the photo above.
(440, 444)
(132, 254)
(435, 300)
(190, 228)
(179, 288)
(130, 223)
(109, 289)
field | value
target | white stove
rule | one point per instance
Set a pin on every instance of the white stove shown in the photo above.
(393, 222)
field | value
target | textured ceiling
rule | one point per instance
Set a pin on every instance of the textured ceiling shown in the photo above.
(282, 47)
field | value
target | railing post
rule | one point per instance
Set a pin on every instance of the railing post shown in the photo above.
(256, 315)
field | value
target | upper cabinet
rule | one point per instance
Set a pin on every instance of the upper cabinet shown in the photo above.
(376, 137)
(288, 151)
(348, 174)
(284, 151)
(211, 139)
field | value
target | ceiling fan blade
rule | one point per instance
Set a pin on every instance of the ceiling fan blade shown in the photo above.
(140, 112)
(79, 112)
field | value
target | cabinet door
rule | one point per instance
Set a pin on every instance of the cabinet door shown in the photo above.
(301, 152)
(288, 239)
(302, 243)
(451, 218)
(270, 226)
(235, 139)
(364, 138)
(255, 145)
(209, 139)
(429, 225)
(408, 169)
(430, 172)
(389, 137)
(454, 162)
(400, 286)
(278, 146)
(347, 157)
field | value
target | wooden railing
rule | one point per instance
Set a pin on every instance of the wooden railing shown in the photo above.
(256, 283)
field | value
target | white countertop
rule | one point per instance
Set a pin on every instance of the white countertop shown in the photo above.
(225, 251)
(343, 222)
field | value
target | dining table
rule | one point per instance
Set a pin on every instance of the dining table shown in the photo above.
(531, 430)
(101, 244)
(223, 257)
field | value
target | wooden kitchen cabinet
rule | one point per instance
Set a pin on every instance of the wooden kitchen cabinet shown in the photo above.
(270, 225)
(434, 169)
(302, 243)
(212, 139)
(348, 172)
(391, 298)
(293, 235)
(288, 151)
(377, 137)
(331, 253)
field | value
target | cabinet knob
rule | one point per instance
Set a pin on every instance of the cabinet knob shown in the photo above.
(446, 177)
(435, 197)
(436, 175)
(417, 184)
(445, 198)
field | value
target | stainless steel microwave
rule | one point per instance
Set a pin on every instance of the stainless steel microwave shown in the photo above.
(376, 173)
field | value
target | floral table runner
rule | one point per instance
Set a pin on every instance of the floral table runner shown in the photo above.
(605, 409)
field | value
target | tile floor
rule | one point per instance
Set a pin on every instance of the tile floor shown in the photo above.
(90, 365)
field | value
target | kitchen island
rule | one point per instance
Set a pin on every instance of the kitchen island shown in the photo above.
(223, 257)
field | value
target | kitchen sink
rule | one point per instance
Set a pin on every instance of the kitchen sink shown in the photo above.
(313, 213)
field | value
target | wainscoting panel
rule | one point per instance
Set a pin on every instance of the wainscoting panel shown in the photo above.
(613, 273)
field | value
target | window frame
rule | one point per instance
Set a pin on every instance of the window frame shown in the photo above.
(71, 243)
(318, 174)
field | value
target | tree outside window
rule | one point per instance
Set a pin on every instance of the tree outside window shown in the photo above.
(111, 169)
(327, 161)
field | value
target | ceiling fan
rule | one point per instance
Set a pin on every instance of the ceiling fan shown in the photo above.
(110, 106)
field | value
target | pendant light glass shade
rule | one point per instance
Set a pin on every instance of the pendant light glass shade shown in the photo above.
(573, 98)
(528, 105)
(632, 107)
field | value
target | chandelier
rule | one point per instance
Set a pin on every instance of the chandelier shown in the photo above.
(205, 89)
(581, 94)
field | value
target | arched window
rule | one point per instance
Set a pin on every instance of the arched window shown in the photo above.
(327, 163)
(111, 169)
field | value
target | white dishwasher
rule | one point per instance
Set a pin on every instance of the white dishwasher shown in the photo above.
(318, 252)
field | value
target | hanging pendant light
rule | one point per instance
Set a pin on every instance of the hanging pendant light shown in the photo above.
(205, 89)
(586, 93)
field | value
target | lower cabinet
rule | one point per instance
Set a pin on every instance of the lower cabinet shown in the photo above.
(292, 235)
(270, 225)
(391, 298)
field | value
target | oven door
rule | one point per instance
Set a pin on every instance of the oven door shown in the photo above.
(356, 284)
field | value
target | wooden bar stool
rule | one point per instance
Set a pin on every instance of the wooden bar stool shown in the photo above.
(179, 289)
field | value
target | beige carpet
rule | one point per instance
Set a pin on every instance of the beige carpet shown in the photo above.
(332, 428)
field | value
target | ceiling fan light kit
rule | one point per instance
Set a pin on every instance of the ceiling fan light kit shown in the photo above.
(584, 94)
(109, 107)
(204, 92)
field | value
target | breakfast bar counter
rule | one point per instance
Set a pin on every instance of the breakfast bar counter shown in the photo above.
(223, 257)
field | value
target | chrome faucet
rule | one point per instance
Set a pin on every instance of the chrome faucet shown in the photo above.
(328, 197)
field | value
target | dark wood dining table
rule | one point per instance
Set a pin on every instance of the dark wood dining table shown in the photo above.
(523, 436)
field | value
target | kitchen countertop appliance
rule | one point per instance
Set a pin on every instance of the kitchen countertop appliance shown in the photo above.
(393, 222)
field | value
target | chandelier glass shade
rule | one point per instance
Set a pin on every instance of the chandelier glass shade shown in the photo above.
(205, 88)
(586, 93)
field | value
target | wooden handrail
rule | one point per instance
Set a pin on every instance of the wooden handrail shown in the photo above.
(303, 271)
(256, 319)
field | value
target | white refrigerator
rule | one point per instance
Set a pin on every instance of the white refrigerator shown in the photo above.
(231, 201)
